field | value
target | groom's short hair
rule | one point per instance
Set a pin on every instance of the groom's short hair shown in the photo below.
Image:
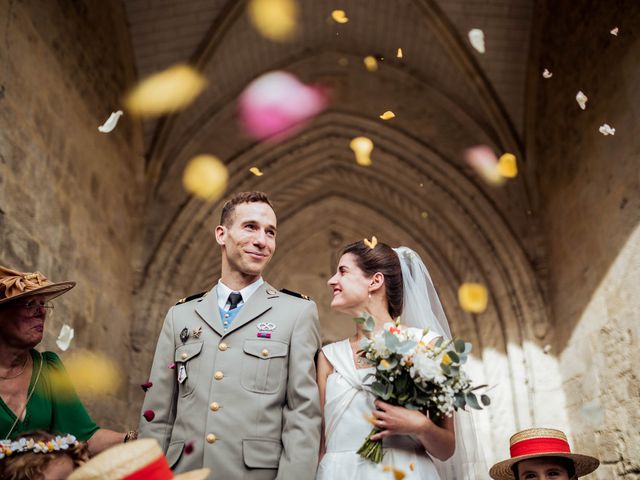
(237, 199)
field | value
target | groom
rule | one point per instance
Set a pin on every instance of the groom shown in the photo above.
(233, 377)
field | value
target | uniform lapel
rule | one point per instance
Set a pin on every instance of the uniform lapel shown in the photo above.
(258, 304)
(207, 308)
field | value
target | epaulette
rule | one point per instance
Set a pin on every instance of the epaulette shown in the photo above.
(190, 297)
(295, 294)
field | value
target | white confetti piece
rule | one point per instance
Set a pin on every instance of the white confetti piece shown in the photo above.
(547, 74)
(614, 31)
(476, 38)
(546, 349)
(607, 130)
(581, 98)
(65, 336)
(110, 123)
(399, 54)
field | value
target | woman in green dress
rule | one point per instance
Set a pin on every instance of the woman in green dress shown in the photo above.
(35, 390)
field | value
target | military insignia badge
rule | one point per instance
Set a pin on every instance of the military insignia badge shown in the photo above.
(184, 334)
(265, 329)
(196, 332)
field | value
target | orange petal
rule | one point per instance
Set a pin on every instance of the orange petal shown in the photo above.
(388, 115)
(256, 171)
(507, 165)
(340, 16)
(371, 243)
(473, 297)
(205, 177)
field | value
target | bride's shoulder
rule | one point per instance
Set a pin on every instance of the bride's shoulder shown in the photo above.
(334, 345)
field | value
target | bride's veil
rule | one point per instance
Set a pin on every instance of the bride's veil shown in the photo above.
(422, 309)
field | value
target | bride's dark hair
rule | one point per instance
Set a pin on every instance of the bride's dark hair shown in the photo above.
(381, 259)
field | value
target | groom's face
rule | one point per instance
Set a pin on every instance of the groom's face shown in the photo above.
(249, 239)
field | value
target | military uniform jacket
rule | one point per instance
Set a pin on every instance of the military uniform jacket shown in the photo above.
(249, 406)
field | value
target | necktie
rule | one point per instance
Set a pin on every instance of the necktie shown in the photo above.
(234, 299)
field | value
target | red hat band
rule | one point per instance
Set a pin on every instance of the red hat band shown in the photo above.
(536, 446)
(158, 470)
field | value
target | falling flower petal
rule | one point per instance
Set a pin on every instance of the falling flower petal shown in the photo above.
(111, 122)
(277, 104)
(473, 297)
(476, 38)
(424, 215)
(64, 337)
(339, 16)
(362, 147)
(371, 63)
(171, 366)
(485, 163)
(146, 386)
(371, 243)
(581, 98)
(411, 467)
(388, 115)
(397, 474)
(166, 92)
(614, 31)
(275, 19)
(399, 54)
(507, 165)
(547, 74)
(205, 177)
(607, 130)
(371, 419)
(91, 373)
(546, 349)
(256, 171)
(149, 415)
(188, 448)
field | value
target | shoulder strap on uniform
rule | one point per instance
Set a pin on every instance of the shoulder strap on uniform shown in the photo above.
(295, 294)
(190, 297)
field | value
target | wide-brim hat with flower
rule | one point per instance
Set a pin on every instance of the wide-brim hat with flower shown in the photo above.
(137, 460)
(540, 443)
(15, 285)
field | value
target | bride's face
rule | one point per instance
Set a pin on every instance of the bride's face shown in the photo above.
(350, 286)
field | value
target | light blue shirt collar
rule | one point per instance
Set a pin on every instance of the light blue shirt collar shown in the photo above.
(246, 292)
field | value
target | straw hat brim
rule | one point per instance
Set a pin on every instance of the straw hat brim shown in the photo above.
(584, 464)
(50, 291)
(199, 474)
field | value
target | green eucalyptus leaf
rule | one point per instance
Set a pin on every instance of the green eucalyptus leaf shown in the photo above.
(405, 346)
(459, 345)
(486, 401)
(391, 341)
(472, 400)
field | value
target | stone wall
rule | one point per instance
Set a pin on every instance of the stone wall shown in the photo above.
(69, 195)
(589, 189)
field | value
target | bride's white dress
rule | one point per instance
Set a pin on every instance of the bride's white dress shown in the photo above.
(346, 409)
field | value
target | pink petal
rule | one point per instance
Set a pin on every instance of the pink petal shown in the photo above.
(172, 366)
(149, 415)
(146, 386)
(188, 448)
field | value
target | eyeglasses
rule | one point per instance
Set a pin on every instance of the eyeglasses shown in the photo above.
(32, 307)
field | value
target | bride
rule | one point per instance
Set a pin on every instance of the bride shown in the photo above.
(385, 283)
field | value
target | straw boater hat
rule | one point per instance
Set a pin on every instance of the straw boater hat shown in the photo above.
(137, 460)
(15, 285)
(538, 443)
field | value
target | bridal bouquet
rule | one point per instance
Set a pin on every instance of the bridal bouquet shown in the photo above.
(416, 374)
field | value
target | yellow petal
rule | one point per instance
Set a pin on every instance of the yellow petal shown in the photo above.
(507, 165)
(384, 363)
(205, 177)
(473, 297)
(397, 474)
(446, 359)
(256, 171)
(371, 63)
(399, 54)
(411, 466)
(362, 147)
(424, 215)
(371, 419)
(91, 373)
(371, 243)
(165, 92)
(339, 16)
(274, 19)
(388, 115)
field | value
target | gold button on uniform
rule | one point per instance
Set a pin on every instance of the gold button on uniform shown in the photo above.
(222, 347)
(215, 406)
(211, 438)
(218, 375)
(265, 353)
(184, 355)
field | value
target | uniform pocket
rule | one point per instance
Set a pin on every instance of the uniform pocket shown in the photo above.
(188, 355)
(264, 365)
(174, 452)
(261, 452)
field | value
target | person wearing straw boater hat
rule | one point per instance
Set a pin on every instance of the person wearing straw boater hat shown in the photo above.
(542, 454)
(31, 381)
(137, 460)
